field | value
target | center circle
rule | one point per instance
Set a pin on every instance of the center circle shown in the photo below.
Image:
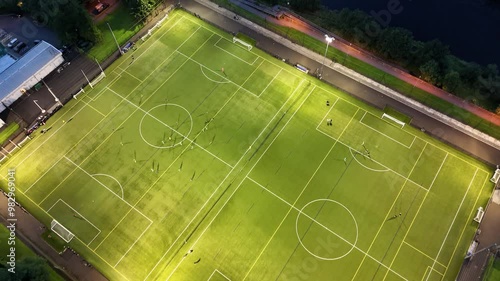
(329, 249)
(171, 121)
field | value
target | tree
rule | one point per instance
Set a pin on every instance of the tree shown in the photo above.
(395, 43)
(451, 81)
(32, 269)
(301, 5)
(431, 72)
(140, 8)
(470, 74)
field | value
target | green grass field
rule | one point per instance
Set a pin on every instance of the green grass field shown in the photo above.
(169, 153)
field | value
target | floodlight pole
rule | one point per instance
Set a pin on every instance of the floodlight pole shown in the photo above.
(100, 67)
(87, 78)
(117, 45)
(328, 41)
(52, 93)
(43, 110)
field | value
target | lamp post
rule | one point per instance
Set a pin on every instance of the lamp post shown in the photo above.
(50, 91)
(43, 110)
(328, 41)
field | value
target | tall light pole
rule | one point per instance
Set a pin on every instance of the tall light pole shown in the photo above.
(329, 40)
(117, 45)
(50, 91)
(43, 110)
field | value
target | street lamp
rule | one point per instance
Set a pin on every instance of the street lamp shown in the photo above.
(43, 110)
(329, 40)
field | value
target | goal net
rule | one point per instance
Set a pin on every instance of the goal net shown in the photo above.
(398, 122)
(496, 177)
(97, 79)
(61, 231)
(247, 45)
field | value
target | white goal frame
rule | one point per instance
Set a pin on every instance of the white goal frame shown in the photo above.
(394, 119)
(59, 226)
(97, 79)
(496, 177)
(238, 40)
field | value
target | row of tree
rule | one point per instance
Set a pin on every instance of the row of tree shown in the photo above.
(30, 268)
(432, 60)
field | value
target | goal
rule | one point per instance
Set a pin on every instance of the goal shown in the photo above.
(238, 40)
(393, 119)
(496, 177)
(97, 79)
(61, 231)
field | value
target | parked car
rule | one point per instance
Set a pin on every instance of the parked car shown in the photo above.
(12, 43)
(36, 41)
(19, 46)
(23, 50)
(2, 33)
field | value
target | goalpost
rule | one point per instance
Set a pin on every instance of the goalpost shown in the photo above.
(97, 79)
(61, 231)
(399, 122)
(496, 177)
(238, 40)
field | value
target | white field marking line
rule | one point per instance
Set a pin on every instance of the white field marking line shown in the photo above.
(109, 134)
(452, 222)
(241, 158)
(152, 43)
(83, 170)
(99, 93)
(418, 211)
(93, 108)
(230, 81)
(293, 73)
(366, 167)
(326, 228)
(424, 254)
(222, 274)
(133, 244)
(396, 141)
(109, 176)
(353, 149)
(223, 106)
(47, 139)
(76, 237)
(210, 79)
(133, 76)
(389, 211)
(328, 112)
(416, 137)
(471, 214)
(270, 82)
(432, 269)
(39, 178)
(300, 194)
(97, 228)
(306, 215)
(166, 125)
(224, 50)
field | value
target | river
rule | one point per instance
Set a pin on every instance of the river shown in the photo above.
(470, 27)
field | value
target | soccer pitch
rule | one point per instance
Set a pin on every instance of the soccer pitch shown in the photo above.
(196, 159)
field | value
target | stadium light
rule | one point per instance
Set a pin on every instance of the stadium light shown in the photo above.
(329, 40)
(52, 93)
(43, 110)
(117, 45)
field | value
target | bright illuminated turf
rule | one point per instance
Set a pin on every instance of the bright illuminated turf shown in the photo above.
(169, 154)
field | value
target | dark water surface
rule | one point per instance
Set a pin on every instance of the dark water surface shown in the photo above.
(470, 27)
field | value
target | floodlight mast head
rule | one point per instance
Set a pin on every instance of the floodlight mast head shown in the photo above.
(329, 39)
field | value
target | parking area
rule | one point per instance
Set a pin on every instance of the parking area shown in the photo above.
(18, 34)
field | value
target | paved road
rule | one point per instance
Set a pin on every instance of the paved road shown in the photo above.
(439, 130)
(346, 47)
